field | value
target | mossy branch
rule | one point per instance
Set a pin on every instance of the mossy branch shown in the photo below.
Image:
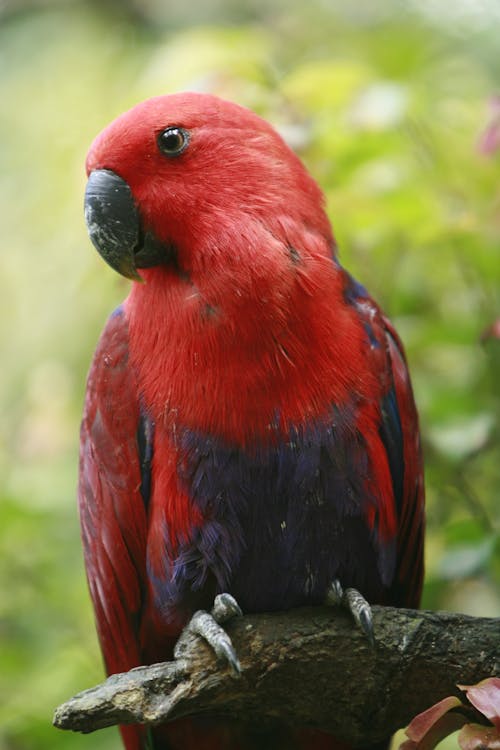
(306, 667)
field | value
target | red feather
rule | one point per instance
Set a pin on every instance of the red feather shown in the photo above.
(252, 336)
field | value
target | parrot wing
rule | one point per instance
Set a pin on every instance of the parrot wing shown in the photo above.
(400, 434)
(115, 452)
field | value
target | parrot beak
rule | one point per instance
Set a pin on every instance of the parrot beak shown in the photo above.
(112, 221)
(115, 228)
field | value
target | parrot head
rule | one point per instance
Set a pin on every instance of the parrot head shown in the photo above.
(180, 167)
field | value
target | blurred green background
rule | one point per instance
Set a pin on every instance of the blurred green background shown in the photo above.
(392, 106)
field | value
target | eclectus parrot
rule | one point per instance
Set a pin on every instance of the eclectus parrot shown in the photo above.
(249, 423)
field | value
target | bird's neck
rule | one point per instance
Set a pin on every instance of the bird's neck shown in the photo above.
(232, 350)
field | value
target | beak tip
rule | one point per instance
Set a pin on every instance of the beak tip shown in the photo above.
(112, 221)
(138, 278)
(126, 267)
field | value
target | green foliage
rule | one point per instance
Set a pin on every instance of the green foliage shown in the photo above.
(387, 109)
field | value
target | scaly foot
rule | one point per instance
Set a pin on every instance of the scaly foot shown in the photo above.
(356, 604)
(208, 626)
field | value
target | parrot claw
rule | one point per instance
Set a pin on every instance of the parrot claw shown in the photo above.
(207, 625)
(357, 606)
(225, 608)
(335, 594)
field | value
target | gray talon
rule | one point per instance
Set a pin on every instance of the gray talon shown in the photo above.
(366, 623)
(228, 653)
(225, 608)
(356, 604)
(361, 611)
(208, 626)
(335, 594)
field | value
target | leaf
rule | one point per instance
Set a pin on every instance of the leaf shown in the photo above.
(382, 105)
(431, 726)
(485, 696)
(489, 141)
(326, 84)
(492, 332)
(459, 437)
(461, 561)
(477, 737)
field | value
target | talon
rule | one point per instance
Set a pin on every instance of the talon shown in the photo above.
(335, 594)
(361, 611)
(225, 608)
(228, 653)
(208, 626)
(356, 604)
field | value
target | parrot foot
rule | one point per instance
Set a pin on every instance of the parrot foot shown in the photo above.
(208, 626)
(356, 604)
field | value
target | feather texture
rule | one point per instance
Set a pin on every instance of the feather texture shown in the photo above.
(248, 409)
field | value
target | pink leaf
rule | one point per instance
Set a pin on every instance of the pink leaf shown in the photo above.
(429, 727)
(477, 737)
(423, 722)
(485, 696)
(489, 141)
(492, 332)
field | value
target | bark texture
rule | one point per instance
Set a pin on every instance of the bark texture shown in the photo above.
(306, 667)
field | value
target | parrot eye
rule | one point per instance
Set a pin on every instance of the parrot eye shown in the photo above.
(172, 141)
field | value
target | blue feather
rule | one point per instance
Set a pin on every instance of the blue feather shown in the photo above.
(281, 521)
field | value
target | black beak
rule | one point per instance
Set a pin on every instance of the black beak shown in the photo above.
(114, 226)
(112, 221)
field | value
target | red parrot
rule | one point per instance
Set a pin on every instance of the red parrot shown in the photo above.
(249, 423)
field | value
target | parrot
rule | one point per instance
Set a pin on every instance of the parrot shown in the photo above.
(249, 426)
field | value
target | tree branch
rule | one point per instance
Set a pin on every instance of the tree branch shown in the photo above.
(308, 667)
